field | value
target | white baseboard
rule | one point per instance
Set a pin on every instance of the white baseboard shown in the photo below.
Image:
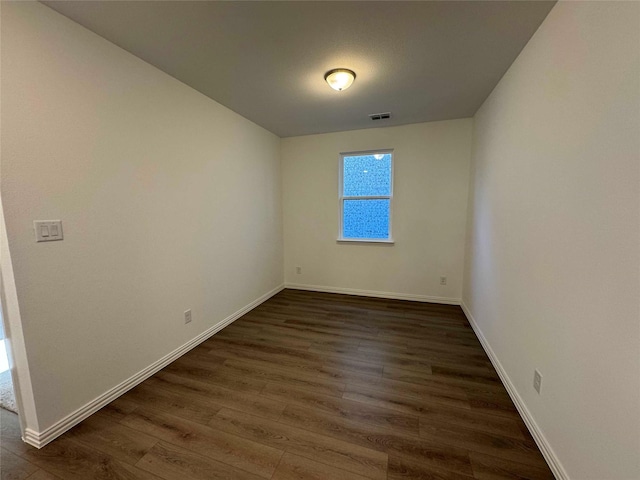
(374, 293)
(548, 453)
(40, 439)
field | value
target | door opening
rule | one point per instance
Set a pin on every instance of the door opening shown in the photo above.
(7, 393)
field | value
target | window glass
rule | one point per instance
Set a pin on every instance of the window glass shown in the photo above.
(366, 219)
(366, 195)
(365, 175)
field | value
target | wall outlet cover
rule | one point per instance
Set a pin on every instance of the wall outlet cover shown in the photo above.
(537, 380)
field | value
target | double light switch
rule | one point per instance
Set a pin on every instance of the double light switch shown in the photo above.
(48, 230)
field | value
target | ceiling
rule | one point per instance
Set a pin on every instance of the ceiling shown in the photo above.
(421, 61)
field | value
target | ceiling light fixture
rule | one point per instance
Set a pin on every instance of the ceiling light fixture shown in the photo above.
(340, 78)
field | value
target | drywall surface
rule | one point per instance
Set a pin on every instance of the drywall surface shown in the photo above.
(431, 171)
(168, 200)
(552, 261)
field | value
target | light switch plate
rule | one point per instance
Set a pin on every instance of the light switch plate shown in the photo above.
(48, 230)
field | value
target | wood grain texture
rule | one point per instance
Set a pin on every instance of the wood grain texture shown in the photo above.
(71, 460)
(253, 457)
(43, 475)
(401, 468)
(114, 439)
(345, 455)
(175, 463)
(294, 467)
(306, 386)
(380, 439)
(13, 467)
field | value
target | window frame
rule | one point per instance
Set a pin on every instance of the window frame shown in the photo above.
(342, 198)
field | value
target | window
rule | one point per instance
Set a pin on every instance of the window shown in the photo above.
(366, 189)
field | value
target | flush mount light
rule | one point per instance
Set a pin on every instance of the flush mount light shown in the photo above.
(340, 78)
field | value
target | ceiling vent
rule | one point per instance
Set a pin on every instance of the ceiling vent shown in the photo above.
(380, 116)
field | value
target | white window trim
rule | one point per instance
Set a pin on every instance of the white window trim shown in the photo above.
(342, 198)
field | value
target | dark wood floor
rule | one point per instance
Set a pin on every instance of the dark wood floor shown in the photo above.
(305, 386)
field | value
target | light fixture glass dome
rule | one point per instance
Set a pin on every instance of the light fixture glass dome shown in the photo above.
(340, 78)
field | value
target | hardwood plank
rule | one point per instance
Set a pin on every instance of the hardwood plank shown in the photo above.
(203, 355)
(119, 408)
(426, 327)
(12, 467)
(233, 450)
(266, 338)
(191, 407)
(292, 330)
(334, 330)
(410, 360)
(71, 460)
(422, 378)
(344, 408)
(275, 373)
(376, 438)
(508, 448)
(10, 434)
(294, 467)
(346, 376)
(104, 434)
(378, 344)
(496, 403)
(424, 346)
(336, 349)
(224, 397)
(487, 467)
(321, 448)
(347, 345)
(325, 332)
(468, 373)
(447, 339)
(472, 419)
(411, 405)
(430, 345)
(404, 469)
(239, 328)
(291, 356)
(341, 325)
(196, 370)
(175, 463)
(285, 362)
(42, 475)
(407, 389)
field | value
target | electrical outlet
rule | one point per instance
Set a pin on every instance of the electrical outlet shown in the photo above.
(187, 316)
(537, 380)
(298, 270)
(443, 280)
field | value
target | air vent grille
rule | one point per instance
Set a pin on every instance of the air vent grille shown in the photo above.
(380, 116)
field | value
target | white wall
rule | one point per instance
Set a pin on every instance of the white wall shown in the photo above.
(431, 171)
(552, 276)
(168, 201)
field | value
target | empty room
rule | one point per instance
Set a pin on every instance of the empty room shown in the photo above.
(324, 240)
